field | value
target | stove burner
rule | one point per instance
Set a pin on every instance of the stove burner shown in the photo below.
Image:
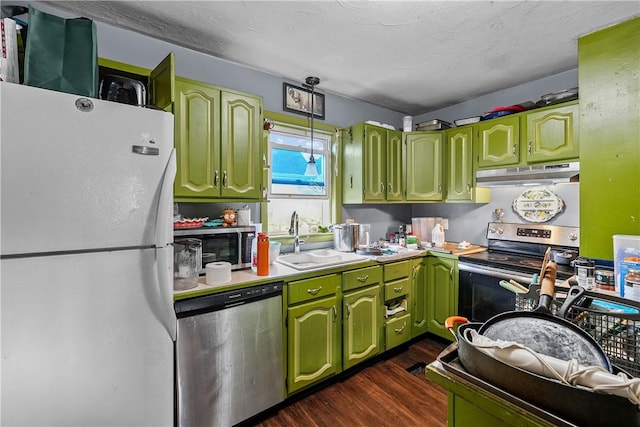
(531, 263)
(495, 257)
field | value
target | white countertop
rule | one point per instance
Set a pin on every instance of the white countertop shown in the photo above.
(277, 272)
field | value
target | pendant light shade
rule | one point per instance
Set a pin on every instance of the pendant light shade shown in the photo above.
(312, 169)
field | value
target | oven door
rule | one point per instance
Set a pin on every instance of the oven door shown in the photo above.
(480, 295)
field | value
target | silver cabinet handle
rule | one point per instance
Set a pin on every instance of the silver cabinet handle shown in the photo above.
(348, 311)
(314, 291)
(390, 187)
(264, 160)
(362, 278)
(351, 181)
(216, 178)
(335, 313)
(400, 330)
(224, 179)
(382, 187)
(398, 289)
(529, 144)
(514, 149)
(451, 273)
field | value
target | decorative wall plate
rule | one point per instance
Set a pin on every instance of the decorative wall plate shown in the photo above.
(538, 205)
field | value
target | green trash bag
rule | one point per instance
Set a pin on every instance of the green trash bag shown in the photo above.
(61, 54)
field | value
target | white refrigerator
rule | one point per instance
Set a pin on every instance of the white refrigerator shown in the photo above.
(88, 325)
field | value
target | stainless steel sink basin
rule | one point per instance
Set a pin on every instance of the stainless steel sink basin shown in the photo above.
(319, 258)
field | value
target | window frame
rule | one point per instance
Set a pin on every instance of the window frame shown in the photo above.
(333, 164)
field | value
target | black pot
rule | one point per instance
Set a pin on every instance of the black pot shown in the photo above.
(577, 404)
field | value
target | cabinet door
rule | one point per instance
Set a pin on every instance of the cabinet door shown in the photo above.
(552, 134)
(352, 165)
(419, 296)
(375, 152)
(395, 191)
(498, 142)
(460, 163)
(241, 167)
(442, 294)
(362, 312)
(314, 342)
(197, 141)
(162, 83)
(424, 166)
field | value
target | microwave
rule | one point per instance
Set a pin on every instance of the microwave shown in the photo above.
(228, 244)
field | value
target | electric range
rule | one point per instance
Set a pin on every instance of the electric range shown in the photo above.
(514, 251)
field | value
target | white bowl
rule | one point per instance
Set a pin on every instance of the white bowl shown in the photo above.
(274, 251)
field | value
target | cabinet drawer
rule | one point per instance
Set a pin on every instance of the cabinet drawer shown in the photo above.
(362, 277)
(316, 287)
(397, 270)
(397, 331)
(397, 288)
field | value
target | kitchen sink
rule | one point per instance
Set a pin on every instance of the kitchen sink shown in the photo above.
(319, 258)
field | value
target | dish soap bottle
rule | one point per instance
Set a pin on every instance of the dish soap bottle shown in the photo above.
(437, 236)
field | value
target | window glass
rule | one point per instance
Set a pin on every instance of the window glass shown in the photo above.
(289, 188)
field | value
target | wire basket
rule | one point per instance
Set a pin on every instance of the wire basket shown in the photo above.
(613, 324)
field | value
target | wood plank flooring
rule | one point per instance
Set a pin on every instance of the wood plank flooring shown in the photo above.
(383, 394)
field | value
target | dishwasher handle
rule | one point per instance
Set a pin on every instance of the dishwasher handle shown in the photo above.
(220, 301)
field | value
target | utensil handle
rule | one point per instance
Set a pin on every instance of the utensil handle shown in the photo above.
(548, 281)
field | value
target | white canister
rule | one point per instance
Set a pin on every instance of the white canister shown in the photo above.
(218, 273)
(407, 123)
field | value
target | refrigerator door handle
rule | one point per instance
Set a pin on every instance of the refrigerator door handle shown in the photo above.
(164, 263)
(164, 216)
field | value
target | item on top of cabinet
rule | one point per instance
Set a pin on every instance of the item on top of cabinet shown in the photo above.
(433, 125)
(407, 123)
(229, 218)
(502, 111)
(467, 121)
(560, 96)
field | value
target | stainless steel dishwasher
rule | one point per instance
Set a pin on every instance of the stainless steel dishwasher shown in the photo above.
(229, 357)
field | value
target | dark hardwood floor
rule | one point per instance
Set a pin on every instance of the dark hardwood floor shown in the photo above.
(385, 393)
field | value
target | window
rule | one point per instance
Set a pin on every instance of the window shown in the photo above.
(289, 188)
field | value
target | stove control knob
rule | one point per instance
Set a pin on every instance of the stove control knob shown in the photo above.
(492, 230)
(573, 237)
(500, 231)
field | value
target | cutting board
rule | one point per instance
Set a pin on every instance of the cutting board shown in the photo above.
(452, 248)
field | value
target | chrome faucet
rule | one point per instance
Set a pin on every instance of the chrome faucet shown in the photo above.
(294, 231)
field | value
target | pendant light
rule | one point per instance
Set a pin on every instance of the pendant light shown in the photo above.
(312, 170)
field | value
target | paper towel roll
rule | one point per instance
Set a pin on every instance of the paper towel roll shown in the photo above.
(218, 273)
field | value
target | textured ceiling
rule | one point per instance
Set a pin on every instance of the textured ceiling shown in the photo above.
(411, 57)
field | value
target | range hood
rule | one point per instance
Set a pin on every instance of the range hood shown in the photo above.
(529, 175)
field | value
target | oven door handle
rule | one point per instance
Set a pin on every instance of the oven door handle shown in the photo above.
(495, 272)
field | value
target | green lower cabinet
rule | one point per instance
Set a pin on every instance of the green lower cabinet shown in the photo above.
(419, 293)
(442, 293)
(314, 342)
(397, 331)
(362, 311)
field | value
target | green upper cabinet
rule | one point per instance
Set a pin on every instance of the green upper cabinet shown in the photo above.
(197, 115)
(424, 166)
(499, 142)
(442, 293)
(459, 148)
(608, 70)
(372, 164)
(394, 166)
(218, 136)
(551, 134)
